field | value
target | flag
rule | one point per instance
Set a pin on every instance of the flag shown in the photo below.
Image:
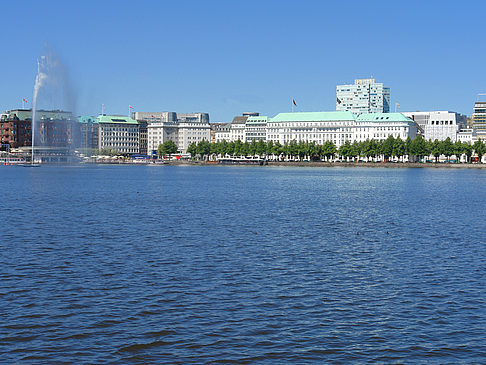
(131, 107)
(338, 101)
(24, 100)
(293, 101)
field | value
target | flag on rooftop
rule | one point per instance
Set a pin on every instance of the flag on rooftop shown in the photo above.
(293, 101)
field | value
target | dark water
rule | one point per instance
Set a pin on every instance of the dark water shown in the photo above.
(133, 264)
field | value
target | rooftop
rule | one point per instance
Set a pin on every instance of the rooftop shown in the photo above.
(313, 116)
(116, 119)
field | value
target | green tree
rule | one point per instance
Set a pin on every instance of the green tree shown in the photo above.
(329, 149)
(167, 148)
(418, 147)
(192, 149)
(478, 147)
(387, 147)
(447, 148)
(398, 149)
(436, 150)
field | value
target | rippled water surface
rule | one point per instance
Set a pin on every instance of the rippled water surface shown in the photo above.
(135, 264)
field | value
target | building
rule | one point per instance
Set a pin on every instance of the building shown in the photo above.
(478, 118)
(53, 128)
(192, 130)
(439, 125)
(338, 127)
(182, 128)
(365, 96)
(220, 132)
(15, 132)
(118, 133)
(88, 133)
(256, 129)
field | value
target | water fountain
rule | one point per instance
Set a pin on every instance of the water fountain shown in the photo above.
(52, 91)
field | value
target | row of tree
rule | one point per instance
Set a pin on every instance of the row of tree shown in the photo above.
(390, 147)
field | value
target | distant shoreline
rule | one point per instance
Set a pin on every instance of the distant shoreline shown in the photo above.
(345, 164)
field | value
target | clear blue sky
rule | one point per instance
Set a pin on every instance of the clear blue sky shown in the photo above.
(227, 57)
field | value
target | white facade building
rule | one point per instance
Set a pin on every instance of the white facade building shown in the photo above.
(118, 133)
(365, 96)
(256, 129)
(338, 127)
(222, 132)
(439, 125)
(183, 129)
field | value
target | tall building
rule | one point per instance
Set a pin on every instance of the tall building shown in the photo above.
(365, 96)
(478, 119)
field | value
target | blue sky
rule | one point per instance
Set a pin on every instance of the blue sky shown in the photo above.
(228, 57)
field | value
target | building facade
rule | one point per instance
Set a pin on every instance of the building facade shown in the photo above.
(118, 133)
(365, 96)
(478, 118)
(256, 129)
(88, 133)
(53, 128)
(221, 132)
(182, 128)
(439, 125)
(338, 127)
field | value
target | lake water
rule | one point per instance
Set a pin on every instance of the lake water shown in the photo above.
(165, 264)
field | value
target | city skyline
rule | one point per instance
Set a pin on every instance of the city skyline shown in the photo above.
(228, 58)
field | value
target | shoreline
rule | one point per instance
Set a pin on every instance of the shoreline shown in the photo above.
(344, 164)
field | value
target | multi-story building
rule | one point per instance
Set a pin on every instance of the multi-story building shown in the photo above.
(119, 133)
(365, 96)
(256, 129)
(88, 133)
(478, 118)
(338, 127)
(183, 129)
(439, 125)
(53, 128)
(220, 132)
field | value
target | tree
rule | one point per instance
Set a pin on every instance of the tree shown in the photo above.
(467, 149)
(192, 149)
(167, 148)
(203, 148)
(478, 147)
(418, 147)
(329, 149)
(436, 149)
(398, 149)
(387, 147)
(447, 148)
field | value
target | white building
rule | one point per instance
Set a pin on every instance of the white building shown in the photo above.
(183, 129)
(118, 133)
(256, 129)
(365, 96)
(338, 127)
(222, 132)
(439, 125)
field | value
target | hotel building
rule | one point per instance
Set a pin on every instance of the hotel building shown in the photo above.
(338, 127)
